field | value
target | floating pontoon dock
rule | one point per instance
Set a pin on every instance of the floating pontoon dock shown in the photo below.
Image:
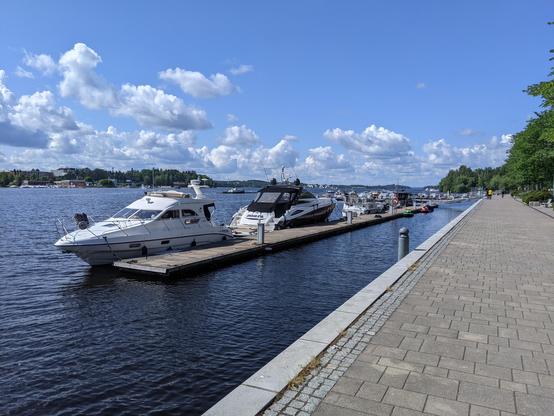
(239, 249)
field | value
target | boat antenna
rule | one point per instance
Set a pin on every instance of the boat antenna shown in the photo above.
(152, 177)
(266, 175)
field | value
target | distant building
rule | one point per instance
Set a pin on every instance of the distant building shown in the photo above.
(30, 182)
(71, 183)
(62, 172)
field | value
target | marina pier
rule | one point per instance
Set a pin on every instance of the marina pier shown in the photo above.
(461, 326)
(243, 248)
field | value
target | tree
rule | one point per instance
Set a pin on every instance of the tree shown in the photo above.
(107, 183)
(530, 162)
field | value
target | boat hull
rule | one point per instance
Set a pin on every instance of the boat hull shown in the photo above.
(102, 253)
(317, 215)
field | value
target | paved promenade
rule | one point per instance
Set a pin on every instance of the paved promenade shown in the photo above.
(469, 331)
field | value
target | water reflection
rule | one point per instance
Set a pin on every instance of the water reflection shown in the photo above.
(97, 341)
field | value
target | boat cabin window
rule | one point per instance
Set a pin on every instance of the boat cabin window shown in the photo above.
(145, 214)
(125, 213)
(285, 197)
(307, 195)
(208, 212)
(188, 213)
(173, 213)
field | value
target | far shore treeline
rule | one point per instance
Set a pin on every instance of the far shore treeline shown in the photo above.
(530, 161)
(101, 177)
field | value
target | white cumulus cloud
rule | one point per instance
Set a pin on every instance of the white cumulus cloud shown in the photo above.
(41, 62)
(377, 142)
(23, 73)
(153, 107)
(149, 106)
(239, 135)
(197, 84)
(493, 153)
(241, 69)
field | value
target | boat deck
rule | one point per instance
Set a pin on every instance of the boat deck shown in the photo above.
(243, 248)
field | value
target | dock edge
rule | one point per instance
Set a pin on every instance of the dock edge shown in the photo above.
(257, 392)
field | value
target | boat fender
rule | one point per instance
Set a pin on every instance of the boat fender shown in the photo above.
(193, 244)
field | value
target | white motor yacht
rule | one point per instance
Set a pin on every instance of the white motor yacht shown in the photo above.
(154, 224)
(361, 204)
(281, 206)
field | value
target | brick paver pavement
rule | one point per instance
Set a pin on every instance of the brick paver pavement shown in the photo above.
(474, 336)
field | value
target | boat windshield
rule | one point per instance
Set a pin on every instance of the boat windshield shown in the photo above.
(268, 197)
(136, 214)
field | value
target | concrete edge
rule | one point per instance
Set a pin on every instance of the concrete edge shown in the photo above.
(259, 390)
(529, 206)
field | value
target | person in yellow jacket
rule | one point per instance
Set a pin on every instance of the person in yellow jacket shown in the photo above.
(489, 193)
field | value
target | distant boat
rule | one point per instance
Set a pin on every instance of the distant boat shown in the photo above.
(339, 195)
(234, 191)
(281, 206)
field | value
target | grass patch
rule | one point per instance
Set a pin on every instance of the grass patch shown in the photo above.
(301, 376)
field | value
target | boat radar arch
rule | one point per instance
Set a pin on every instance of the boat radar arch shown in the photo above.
(196, 185)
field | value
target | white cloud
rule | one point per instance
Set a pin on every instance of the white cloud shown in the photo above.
(421, 85)
(149, 106)
(197, 84)
(232, 118)
(241, 69)
(29, 122)
(468, 132)
(38, 112)
(82, 82)
(377, 142)
(5, 93)
(153, 107)
(441, 153)
(321, 160)
(239, 136)
(41, 62)
(248, 161)
(22, 73)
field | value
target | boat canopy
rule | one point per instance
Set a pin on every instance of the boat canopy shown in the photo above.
(275, 198)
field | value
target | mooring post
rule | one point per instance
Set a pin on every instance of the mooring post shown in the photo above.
(403, 243)
(261, 232)
(349, 217)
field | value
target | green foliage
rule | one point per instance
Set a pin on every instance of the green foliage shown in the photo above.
(465, 179)
(163, 177)
(540, 196)
(106, 183)
(530, 162)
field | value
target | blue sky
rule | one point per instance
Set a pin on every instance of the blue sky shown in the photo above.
(349, 92)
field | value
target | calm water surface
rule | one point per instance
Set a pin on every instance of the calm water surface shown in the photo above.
(93, 341)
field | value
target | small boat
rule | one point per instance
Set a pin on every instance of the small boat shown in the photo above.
(281, 206)
(408, 213)
(158, 222)
(361, 205)
(234, 191)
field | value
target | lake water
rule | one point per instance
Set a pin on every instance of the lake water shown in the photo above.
(94, 341)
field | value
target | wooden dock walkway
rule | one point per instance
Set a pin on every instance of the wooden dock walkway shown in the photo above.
(239, 249)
